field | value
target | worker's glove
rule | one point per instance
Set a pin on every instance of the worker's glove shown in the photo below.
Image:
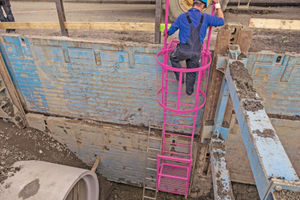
(217, 6)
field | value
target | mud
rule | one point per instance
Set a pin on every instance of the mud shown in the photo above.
(30, 189)
(209, 123)
(241, 56)
(31, 144)
(252, 105)
(244, 191)
(225, 124)
(287, 195)
(250, 11)
(289, 117)
(218, 145)
(126, 192)
(243, 81)
(276, 41)
(7, 107)
(216, 137)
(221, 192)
(267, 133)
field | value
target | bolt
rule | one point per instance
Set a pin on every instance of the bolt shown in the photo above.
(278, 188)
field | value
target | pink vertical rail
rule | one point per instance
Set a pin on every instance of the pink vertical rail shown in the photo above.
(179, 90)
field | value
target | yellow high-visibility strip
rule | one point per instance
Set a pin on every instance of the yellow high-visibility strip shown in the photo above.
(76, 10)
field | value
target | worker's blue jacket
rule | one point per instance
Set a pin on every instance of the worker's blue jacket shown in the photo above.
(182, 23)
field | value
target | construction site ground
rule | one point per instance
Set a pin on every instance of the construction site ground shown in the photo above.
(31, 144)
(275, 40)
(27, 144)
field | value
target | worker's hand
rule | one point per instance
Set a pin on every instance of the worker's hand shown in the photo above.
(165, 35)
(217, 5)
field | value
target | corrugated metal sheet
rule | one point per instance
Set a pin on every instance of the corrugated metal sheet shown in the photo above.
(277, 80)
(110, 82)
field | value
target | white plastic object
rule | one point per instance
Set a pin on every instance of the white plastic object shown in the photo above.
(39, 180)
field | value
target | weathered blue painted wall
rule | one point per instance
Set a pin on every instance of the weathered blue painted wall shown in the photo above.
(277, 80)
(121, 148)
(109, 82)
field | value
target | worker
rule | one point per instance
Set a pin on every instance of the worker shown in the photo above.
(193, 26)
(5, 4)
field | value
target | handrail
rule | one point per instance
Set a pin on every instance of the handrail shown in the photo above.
(168, 67)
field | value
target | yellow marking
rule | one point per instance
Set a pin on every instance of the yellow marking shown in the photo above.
(76, 10)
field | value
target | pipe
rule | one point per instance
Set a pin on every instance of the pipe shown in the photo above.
(39, 180)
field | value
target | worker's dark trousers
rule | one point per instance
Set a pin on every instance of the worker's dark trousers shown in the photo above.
(5, 4)
(192, 61)
(191, 52)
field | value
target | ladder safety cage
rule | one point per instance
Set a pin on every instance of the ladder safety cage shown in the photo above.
(173, 167)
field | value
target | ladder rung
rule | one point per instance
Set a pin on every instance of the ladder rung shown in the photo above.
(152, 159)
(184, 104)
(179, 125)
(179, 115)
(149, 188)
(149, 197)
(184, 145)
(174, 177)
(178, 135)
(151, 179)
(153, 138)
(177, 153)
(177, 92)
(153, 149)
(176, 80)
(151, 169)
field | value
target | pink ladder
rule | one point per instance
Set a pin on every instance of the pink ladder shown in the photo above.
(173, 167)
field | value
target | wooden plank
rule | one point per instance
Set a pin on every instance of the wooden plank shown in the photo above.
(158, 11)
(127, 26)
(11, 88)
(61, 17)
(222, 43)
(274, 24)
(244, 40)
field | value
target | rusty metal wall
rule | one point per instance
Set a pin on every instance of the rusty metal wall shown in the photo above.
(111, 82)
(277, 80)
(121, 148)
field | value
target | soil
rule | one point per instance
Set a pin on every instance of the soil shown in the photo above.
(252, 105)
(31, 144)
(267, 133)
(243, 81)
(244, 191)
(225, 124)
(289, 117)
(275, 41)
(7, 107)
(126, 192)
(209, 123)
(241, 56)
(278, 41)
(287, 195)
(216, 137)
(218, 145)
(250, 11)
(221, 192)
